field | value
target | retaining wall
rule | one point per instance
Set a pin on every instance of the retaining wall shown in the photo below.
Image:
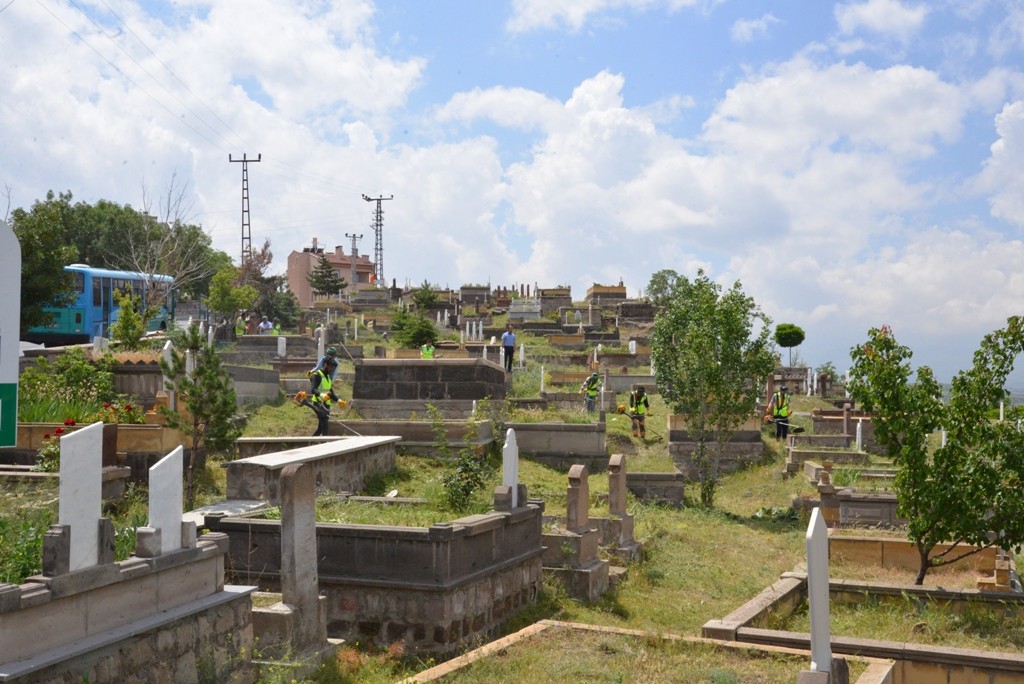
(744, 449)
(397, 388)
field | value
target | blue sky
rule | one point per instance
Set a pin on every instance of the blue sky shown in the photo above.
(852, 163)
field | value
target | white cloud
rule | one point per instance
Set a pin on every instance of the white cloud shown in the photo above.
(748, 30)
(1005, 166)
(889, 17)
(531, 15)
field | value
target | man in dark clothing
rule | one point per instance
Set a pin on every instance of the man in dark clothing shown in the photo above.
(322, 393)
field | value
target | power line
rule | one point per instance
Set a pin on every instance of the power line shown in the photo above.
(246, 228)
(124, 75)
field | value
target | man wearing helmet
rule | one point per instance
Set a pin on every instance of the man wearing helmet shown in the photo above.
(330, 354)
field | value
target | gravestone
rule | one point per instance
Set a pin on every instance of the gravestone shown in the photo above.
(165, 497)
(299, 581)
(81, 494)
(510, 466)
(824, 668)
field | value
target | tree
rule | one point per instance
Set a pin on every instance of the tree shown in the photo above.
(324, 280)
(412, 331)
(711, 354)
(424, 298)
(227, 298)
(662, 286)
(44, 254)
(967, 492)
(789, 335)
(206, 390)
(130, 326)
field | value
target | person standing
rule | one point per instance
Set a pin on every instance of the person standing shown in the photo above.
(508, 343)
(265, 326)
(427, 350)
(589, 389)
(321, 389)
(778, 409)
(638, 408)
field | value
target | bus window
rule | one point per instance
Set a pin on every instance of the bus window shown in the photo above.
(79, 282)
(97, 292)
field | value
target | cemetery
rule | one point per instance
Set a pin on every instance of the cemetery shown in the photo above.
(457, 512)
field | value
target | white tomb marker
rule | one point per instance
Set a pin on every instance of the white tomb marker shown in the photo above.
(81, 493)
(817, 593)
(165, 499)
(510, 465)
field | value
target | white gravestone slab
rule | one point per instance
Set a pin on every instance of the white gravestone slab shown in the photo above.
(817, 593)
(165, 499)
(81, 492)
(282, 346)
(10, 317)
(510, 465)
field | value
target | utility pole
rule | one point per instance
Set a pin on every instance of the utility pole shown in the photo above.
(378, 229)
(246, 228)
(352, 261)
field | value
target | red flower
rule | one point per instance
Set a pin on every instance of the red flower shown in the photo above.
(69, 421)
(127, 407)
(106, 404)
(58, 431)
(46, 436)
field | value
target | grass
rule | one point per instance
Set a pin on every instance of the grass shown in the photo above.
(974, 625)
(581, 655)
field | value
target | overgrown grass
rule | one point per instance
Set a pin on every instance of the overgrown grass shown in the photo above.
(974, 625)
(576, 655)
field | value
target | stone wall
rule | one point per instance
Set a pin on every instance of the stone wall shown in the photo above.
(339, 465)
(397, 388)
(435, 589)
(563, 444)
(745, 449)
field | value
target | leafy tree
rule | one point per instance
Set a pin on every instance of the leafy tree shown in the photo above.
(44, 254)
(789, 335)
(412, 331)
(662, 286)
(130, 326)
(324, 280)
(227, 298)
(424, 298)
(711, 354)
(968, 491)
(209, 398)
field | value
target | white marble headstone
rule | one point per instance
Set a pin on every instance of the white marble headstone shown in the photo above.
(165, 499)
(510, 465)
(81, 492)
(817, 592)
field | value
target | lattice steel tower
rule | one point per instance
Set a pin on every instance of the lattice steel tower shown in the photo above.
(378, 231)
(246, 228)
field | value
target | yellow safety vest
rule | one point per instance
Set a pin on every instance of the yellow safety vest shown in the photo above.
(325, 390)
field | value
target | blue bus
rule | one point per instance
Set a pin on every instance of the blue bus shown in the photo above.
(94, 309)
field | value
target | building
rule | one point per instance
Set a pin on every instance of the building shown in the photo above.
(357, 270)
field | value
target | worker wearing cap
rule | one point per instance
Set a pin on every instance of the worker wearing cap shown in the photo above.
(589, 389)
(322, 394)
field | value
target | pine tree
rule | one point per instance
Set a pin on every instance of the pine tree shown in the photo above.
(207, 395)
(324, 279)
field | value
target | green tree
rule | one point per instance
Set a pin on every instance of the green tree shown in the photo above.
(44, 254)
(412, 331)
(789, 335)
(130, 326)
(966, 493)
(205, 389)
(424, 298)
(662, 286)
(324, 280)
(226, 297)
(711, 354)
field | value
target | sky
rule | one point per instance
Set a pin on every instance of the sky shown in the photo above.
(851, 164)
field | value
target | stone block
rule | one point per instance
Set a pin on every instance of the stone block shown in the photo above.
(147, 542)
(57, 550)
